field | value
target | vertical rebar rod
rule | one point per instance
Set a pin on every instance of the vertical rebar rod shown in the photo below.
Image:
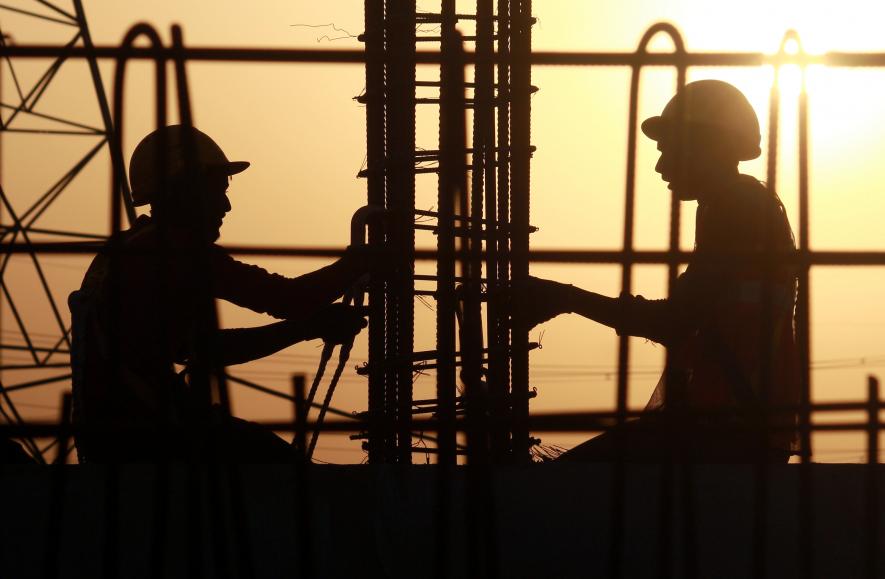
(520, 154)
(452, 182)
(497, 387)
(500, 371)
(393, 169)
(406, 281)
(400, 177)
(452, 163)
(481, 504)
(471, 343)
(375, 154)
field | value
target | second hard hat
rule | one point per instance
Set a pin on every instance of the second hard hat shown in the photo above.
(716, 105)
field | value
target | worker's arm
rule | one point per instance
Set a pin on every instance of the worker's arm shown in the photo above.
(298, 298)
(334, 324)
(241, 345)
(661, 320)
(539, 300)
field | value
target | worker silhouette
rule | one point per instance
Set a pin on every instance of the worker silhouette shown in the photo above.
(728, 323)
(139, 315)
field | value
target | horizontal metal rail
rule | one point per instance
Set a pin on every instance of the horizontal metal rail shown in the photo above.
(541, 58)
(573, 256)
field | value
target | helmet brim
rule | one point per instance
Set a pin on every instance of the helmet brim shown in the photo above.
(658, 128)
(234, 167)
(141, 198)
(653, 128)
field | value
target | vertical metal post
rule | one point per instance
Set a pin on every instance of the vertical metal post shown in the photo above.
(477, 393)
(400, 176)
(375, 162)
(451, 184)
(520, 125)
(499, 370)
(485, 106)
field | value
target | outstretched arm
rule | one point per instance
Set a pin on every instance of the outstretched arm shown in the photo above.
(659, 320)
(241, 345)
(334, 324)
(298, 298)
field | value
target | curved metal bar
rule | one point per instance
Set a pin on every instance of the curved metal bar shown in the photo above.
(662, 28)
(138, 31)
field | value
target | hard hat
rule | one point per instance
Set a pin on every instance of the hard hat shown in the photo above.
(713, 104)
(147, 160)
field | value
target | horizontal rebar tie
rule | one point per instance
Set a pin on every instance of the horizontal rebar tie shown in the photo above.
(435, 83)
(426, 355)
(499, 233)
(366, 98)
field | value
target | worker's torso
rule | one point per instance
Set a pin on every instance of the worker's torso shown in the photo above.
(743, 355)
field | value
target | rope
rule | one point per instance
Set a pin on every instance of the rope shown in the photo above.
(343, 356)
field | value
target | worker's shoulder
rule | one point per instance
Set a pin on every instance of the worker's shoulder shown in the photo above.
(750, 213)
(747, 200)
(143, 233)
(747, 191)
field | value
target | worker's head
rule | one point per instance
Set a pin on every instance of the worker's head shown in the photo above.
(195, 198)
(719, 129)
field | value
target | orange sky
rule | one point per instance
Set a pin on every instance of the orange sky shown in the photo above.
(304, 133)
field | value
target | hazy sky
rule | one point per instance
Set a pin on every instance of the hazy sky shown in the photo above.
(304, 134)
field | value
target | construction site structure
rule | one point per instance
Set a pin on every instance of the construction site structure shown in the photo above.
(482, 226)
(23, 110)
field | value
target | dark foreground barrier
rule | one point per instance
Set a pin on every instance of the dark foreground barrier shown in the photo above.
(366, 521)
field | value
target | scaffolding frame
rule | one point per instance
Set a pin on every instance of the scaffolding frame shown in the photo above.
(24, 222)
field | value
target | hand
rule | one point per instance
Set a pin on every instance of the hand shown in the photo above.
(537, 300)
(336, 324)
(362, 259)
